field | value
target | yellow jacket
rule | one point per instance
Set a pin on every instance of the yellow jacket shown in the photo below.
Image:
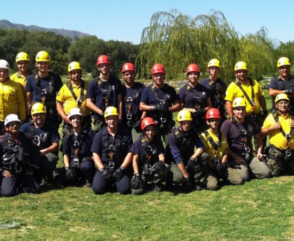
(12, 100)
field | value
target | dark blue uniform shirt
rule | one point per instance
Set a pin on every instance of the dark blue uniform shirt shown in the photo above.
(41, 137)
(166, 93)
(103, 140)
(98, 91)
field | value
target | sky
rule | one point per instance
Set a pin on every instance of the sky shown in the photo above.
(124, 20)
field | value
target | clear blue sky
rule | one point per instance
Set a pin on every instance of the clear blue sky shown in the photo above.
(124, 20)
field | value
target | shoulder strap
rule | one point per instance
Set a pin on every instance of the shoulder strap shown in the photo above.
(251, 101)
(212, 142)
(32, 129)
(80, 100)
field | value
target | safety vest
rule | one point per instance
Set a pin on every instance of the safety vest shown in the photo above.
(48, 94)
(106, 93)
(151, 151)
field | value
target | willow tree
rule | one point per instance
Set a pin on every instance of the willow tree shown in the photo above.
(177, 40)
(259, 52)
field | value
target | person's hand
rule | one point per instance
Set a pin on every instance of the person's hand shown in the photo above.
(70, 174)
(117, 175)
(6, 173)
(42, 152)
(260, 156)
(188, 184)
(136, 181)
(289, 91)
(106, 176)
(161, 107)
(276, 126)
(157, 167)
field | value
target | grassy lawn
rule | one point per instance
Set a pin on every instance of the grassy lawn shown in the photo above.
(258, 210)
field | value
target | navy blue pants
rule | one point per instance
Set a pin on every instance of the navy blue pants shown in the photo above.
(12, 186)
(99, 186)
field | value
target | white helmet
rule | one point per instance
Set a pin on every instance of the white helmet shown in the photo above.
(4, 64)
(75, 111)
(11, 118)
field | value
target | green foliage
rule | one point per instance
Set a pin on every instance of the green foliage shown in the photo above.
(176, 40)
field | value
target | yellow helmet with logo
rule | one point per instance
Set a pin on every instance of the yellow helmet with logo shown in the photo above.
(283, 61)
(240, 65)
(73, 66)
(281, 97)
(38, 108)
(22, 56)
(184, 115)
(213, 63)
(111, 110)
(239, 102)
(42, 56)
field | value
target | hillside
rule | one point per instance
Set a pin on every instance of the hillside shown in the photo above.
(5, 24)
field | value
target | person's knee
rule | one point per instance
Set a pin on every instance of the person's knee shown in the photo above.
(212, 185)
(98, 189)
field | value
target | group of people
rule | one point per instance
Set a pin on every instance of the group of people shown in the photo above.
(123, 136)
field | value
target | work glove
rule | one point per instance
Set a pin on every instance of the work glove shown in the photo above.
(136, 182)
(162, 107)
(188, 184)
(289, 91)
(106, 176)
(117, 175)
(70, 174)
(157, 167)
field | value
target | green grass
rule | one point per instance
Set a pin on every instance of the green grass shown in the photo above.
(258, 210)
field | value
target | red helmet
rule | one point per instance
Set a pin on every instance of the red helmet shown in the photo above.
(128, 67)
(212, 113)
(102, 59)
(192, 68)
(147, 121)
(158, 68)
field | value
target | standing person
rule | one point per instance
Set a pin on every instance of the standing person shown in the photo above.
(103, 91)
(43, 87)
(131, 94)
(112, 155)
(22, 61)
(195, 98)
(19, 160)
(216, 145)
(284, 83)
(46, 139)
(239, 132)
(216, 86)
(11, 95)
(160, 100)
(248, 89)
(76, 148)
(72, 95)
(148, 160)
(279, 127)
(186, 151)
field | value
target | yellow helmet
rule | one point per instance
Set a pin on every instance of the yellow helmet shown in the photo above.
(22, 56)
(184, 115)
(111, 110)
(213, 63)
(239, 102)
(42, 56)
(283, 61)
(73, 66)
(38, 108)
(281, 97)
(240, 65)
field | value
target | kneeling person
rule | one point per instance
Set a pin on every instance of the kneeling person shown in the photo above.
(148, 159)
(112, 155)
(187, 151)
(46, 139)
(216, 146)
(279, 126)
(76, 148)
(239, 132)
(19, 160)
